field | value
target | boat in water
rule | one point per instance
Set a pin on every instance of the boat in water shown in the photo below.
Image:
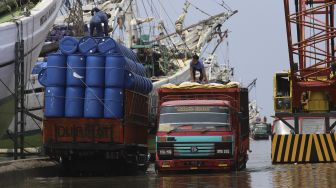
(30, 29)
(166, 56)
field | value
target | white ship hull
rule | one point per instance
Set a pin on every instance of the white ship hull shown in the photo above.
(33, 30)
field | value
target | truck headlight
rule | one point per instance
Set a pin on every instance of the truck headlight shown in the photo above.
(165, 152)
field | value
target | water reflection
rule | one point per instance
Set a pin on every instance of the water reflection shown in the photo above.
(305, 175)
(240, 179)
(259, 173)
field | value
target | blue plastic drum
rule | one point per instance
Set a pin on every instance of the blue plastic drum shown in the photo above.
(107, 45)
(54, 102)
(94, 103)
(113, 103)
(130, 80)
(137, 83)
(42, 77)
(130, 65)
(87, 45)
(68, 45)
(149, 85)
(56, 70)
(114, 71)
(95, 71)
(75, 70)
(141, 70)
(74, 101)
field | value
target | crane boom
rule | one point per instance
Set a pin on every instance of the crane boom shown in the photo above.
(311, 45)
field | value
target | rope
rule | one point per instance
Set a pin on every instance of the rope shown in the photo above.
(143, 4)
(164, 10)
(225, 6)
(202, 11)
(7, 87)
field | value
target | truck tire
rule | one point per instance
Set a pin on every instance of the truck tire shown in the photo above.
(243, 167)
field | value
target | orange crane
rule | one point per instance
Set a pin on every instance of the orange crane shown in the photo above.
(305, 96)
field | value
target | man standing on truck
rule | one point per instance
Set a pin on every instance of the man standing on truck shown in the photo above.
(197, 65)
(99, 17)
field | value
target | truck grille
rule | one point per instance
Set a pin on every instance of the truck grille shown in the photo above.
(194, 150)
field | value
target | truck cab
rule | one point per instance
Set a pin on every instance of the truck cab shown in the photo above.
(260, 131)
(199, 135)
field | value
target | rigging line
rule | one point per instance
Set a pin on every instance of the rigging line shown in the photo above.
(34, 120)
(172, 7)
(155, 13)
(165, 29)
(164, 10)
(203, 51)
(173, 26)
(174, 56)
(6, 86)
(202, 11)
(143, 4)
(137, 10)
(151, 7)
(225, 6)
(222, 5)
(35, 94)
(170, 39)
(150, 23)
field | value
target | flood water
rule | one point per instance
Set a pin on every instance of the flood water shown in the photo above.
(259, 173)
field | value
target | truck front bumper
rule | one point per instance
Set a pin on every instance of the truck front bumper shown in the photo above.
(261, 136)
(194, 164)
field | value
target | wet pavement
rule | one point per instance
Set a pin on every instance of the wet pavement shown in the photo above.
(259, 173)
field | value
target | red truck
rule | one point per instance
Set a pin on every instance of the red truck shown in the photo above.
(202, 129)
(110, 144)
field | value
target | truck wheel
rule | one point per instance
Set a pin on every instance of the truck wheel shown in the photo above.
(143, 169)
(156, 167)
(243, 166)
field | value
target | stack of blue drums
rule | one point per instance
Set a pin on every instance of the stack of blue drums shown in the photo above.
(75, 82)
(89, 77)
(55, 85)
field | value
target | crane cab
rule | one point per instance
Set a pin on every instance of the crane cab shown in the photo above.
(282, 92)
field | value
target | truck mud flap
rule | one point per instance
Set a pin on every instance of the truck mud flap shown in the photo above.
(303, 148)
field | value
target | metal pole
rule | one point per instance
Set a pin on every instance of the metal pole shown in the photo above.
(296, 124)
(327, 124)
(21, 99)
(16, 70)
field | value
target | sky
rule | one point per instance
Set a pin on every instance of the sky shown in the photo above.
(257, 41)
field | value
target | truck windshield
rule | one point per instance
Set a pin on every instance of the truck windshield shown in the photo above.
(194, 118)
(260, 129)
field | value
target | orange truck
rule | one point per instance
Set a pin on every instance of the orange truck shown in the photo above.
(202, 128)
(108, 143)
